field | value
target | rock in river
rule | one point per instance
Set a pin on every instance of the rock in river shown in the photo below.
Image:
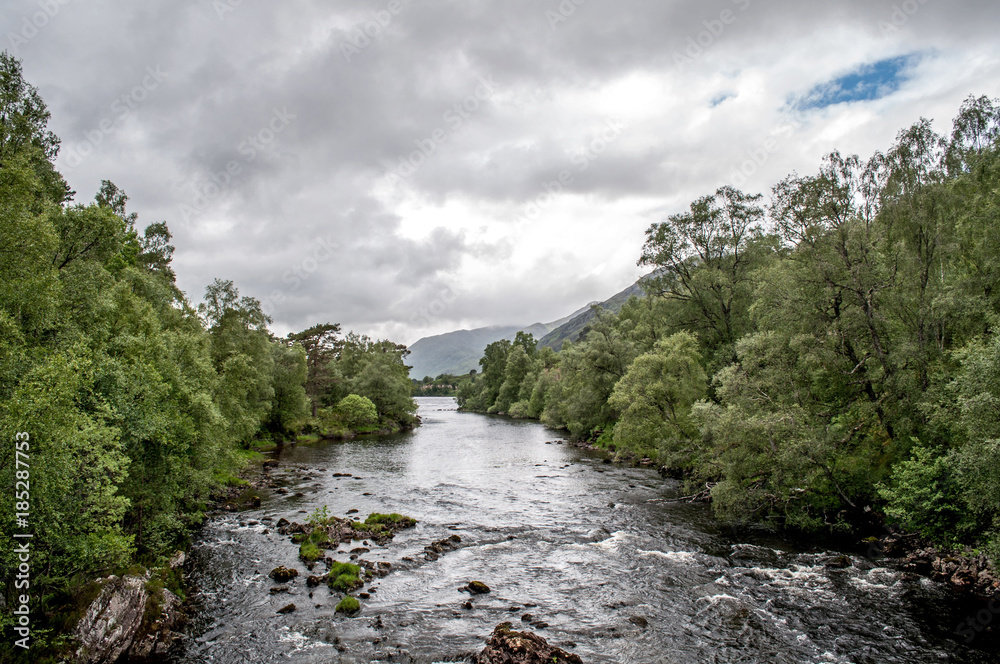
(478, 587)
(506, 646)
(282, 574)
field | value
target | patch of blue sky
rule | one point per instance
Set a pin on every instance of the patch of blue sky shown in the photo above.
(866, 83)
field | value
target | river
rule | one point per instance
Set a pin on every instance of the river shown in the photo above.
(592, 550)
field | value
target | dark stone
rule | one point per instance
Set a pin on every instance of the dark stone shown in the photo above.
(467, 605)
(352, 511)
(837, 562)
(527, 617)
(478, 587)
(505, 646)
(287, 609)
(282, 523)
(279, 589)
(281, 574)
(314, 581)
(638, 620)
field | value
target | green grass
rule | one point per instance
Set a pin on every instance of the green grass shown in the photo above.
(309, 552)
(344, 577)
(393, 518)
(307, 439)
(249, 456)
(311, 549)
(348, 605)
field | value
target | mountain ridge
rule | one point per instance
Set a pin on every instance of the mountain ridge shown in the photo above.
(459, 351)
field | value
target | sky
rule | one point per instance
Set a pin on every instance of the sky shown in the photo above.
(408, 168)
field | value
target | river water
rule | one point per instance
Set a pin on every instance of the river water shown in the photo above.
(590, 549)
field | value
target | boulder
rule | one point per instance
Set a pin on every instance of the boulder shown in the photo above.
(157, 637)
(505, 646)
(281, 574)
(177, 560)
(112, 621)
(478, 587)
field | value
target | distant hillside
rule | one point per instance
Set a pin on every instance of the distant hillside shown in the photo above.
(459, 352)
(574, 328)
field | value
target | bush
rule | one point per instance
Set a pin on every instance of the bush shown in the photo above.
(357, 411)
(344, 577)
(348, 605)
(924, 497)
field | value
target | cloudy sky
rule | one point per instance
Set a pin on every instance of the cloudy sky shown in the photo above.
(411, 167)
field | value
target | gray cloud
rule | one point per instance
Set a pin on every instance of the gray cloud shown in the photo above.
(275, 127)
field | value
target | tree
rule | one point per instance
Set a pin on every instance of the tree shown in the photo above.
(240, 347)
(654, 399)
(24, 133)
(321, 345)
(702, 258)
(357, 411)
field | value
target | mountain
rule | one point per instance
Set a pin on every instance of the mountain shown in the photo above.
(459, 352)
(576, 326)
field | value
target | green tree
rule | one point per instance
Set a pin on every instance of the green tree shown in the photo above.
(321, 344)
(703, 258)
(357, 411)
(654, 400)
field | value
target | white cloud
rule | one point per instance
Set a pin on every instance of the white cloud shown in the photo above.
(453, 236)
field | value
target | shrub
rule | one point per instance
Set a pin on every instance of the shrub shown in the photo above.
(344, 577)
(348, 605)
(357, 411)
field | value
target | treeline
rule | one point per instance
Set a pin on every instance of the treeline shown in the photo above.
(827, 354)
(136, 404)
(445, 385)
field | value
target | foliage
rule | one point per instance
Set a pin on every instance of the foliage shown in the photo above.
(791, 354)
(348, 604)
(357, 411)
(654, 400)
(137, 404)
(344, 577)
